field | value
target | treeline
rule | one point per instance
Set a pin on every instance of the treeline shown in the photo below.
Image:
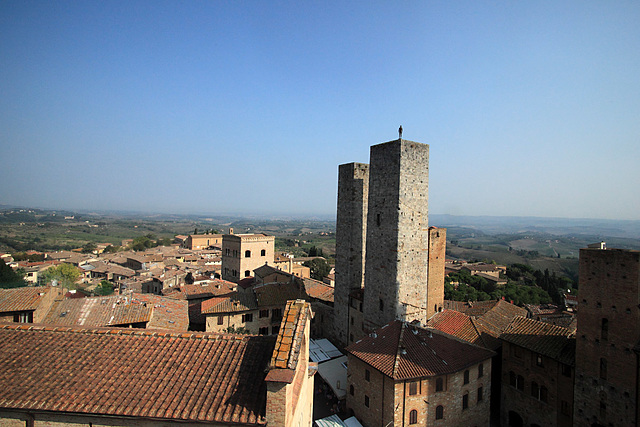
(524, 286)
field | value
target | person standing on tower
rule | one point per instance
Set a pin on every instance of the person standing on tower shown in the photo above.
(400, 132)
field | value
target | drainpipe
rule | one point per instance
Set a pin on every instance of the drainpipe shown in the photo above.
(404, 399)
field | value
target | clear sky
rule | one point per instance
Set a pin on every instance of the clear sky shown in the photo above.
(530, 108)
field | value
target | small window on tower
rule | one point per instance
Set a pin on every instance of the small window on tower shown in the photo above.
(381, 305)
(378, 220)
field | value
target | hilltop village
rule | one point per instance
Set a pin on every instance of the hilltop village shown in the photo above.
(219, 330)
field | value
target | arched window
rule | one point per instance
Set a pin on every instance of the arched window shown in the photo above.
(351, 391)
(439, 412)
(439, 384)
(247, 254)
(263, 252)
(465, 401)
(413, 417)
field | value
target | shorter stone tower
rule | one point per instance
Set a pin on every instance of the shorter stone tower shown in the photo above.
(351, 226)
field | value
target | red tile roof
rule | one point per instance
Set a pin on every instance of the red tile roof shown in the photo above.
(133, 373)
(459, 325)
(21, 299)
(234, 303)
(155, 311)
(402, 351)
(552, 341)
(318, 290)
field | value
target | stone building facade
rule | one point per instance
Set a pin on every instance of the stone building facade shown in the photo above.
(243, 253)
(383, 241)
(351, 227)
(397, 234)
(537, 374)
(607, 366)
(407, 375)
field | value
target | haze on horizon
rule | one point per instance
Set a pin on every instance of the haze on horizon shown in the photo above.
(530, 108)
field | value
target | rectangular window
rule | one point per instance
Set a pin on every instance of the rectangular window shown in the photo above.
(276, 314)
(479, 394)
(247, 317)
(566, 370)
(264, 313)
(275, 329)
(465, 401)
(381, 305)
(480, 370)
(367, 375)
(220, 320)
(366, 400)
(263, 331)
(564, 407)
(539, 361)
(413, 387)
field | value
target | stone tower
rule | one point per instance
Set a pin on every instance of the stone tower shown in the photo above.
(607, 369)
(351, 226)
(397, 234)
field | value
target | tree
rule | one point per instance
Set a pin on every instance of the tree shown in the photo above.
(313, 251)
(104, 288)
(89, 247)
(65, 275)
(319, 268)
(111, 249)
(10, 278)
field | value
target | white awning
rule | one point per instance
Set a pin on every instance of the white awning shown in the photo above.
(334, 373)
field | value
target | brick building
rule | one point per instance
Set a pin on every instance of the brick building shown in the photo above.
(537, 374)
(607, 366)
(403, 374)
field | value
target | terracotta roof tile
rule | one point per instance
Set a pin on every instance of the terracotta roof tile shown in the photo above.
(235, 302)
(21, 299)
(460, 325)
(552, 341)
(402, 351)
(157, 312)
(187, 377)
(289, 341)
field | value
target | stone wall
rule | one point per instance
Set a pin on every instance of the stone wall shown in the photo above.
(397, 233)
(351, 226)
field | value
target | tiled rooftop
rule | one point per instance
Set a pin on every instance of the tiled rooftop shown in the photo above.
(135, 373)
(319, 290)
(21, 299)
(155, 311)
(234, 303)
(552, 341)
(401, 350)
(459, 325)
(288, 344)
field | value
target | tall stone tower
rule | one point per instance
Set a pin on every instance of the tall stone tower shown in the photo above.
(607, 365)
(397, 234)
(351, 226)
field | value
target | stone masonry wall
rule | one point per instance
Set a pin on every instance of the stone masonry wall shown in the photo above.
(351, 225)
(397, 233)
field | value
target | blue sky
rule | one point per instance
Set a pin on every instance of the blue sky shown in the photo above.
(530, 108)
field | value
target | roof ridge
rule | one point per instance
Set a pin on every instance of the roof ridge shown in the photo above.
(399, 346)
